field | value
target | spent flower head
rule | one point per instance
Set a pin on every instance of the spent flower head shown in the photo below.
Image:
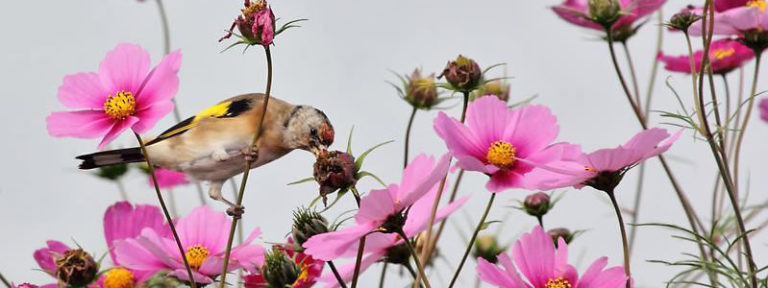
(684, 19)
(463, 74)
(76, 268)
(335, 170)
(256, 25)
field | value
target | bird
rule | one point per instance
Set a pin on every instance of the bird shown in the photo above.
(214, 144)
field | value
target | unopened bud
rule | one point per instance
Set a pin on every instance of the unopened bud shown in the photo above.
(421, 92)
(488, 248)
(604, 12)
(112, 172)
(307, 223)
(537, 204)
(279, 270)
(463, 74)
(495, 88)
(683, 19)
(558, 233)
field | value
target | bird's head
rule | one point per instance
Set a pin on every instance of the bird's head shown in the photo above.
(308, 129)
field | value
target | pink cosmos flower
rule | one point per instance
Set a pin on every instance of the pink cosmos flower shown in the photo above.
(764, 109)
(737, 18)
(123, 94)
(590, 169)
(203, 236)
(379, 206)
(379, 244)
(309, 269)
(501, 142)
(577, 12)
(168, 178)
(544, 266)
(124, 221)
(724, 56)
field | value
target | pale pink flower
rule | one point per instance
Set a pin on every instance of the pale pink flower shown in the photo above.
(585, 169)
(377, 245)
(500, 142)
(577, 12)
(734, 19)
(203, 234)
(543, 266)
(123, 94)
(381, 206)
(168, 178)
(125, 221)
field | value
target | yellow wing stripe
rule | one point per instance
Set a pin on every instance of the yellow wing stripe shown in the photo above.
(217, 110)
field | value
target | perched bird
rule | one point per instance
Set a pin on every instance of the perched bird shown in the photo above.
(214, 144)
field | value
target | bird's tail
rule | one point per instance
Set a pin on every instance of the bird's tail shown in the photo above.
(111, 157)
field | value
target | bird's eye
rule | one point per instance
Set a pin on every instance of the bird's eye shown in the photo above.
(313, 132)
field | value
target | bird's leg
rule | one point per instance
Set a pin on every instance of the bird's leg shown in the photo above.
(215, 193)
(220, 154)
(251, 153)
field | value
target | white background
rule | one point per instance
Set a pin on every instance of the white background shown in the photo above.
(339, 61)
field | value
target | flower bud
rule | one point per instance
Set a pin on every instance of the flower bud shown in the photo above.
(604, 12)
(488, 248)
(683, 19)
(495, 88)
(398, 254)
(76, 268)
(537, 204)
(558, 233)
(279, 270)
(421, 92)
(334, 170)
(112, 172)
(306, 224)
(606, 181)
(463, 74)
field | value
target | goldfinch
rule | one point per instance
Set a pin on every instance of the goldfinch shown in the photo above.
(214, 144)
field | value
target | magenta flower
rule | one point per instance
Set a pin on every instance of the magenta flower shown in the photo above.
(724, 56)
(256, 24)
(501, 142)
(309, 269)
(168, 178)
(124, 221)
(577, 12)
(764, 109)
(46, 257)
(379, 244)
(203, 236)
(544, 266)
(380, 207)
(737, 18)
(123, 94)
(602, 169)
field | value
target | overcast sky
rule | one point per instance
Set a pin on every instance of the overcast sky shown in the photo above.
(339, 61)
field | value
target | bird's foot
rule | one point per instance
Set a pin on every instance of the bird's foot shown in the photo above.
(251, 153)
(236, 211)
(220, 155)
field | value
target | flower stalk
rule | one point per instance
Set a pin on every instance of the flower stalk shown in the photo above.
(358, 260)
(241, 193)
(5, 281)
(472, 240)
(336, 274)
(165, 209)
(408, 135)
(415, 255)
(624, 242)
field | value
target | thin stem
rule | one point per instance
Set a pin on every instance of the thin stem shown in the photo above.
(655, 66)
(700, 114)
(443, 222)
(408, 135)
(121, 190)
(336, 274)
(413, 274)
(472, 240)
(624, 243)
(358, 260)
(635, 108)
(240, 235)
(383, 274)
(5, 281)
(727, 127)
(168, 218)
(540, 219)
(415, 255)
(743, 129)
(636, 206)
(632, 73)
(247, 169)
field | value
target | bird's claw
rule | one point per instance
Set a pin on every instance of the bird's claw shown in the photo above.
(251, 153)
(236, 211)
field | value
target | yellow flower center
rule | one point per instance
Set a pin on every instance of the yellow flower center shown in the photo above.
(590, 169)
(501, 154)
(196, 255)
(558, 282)
(119, 278)
(121, 105)
(757, 3)
(723, 53)
(255, 6)
(304, 275)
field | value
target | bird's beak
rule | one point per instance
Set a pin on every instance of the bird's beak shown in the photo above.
(318, 150)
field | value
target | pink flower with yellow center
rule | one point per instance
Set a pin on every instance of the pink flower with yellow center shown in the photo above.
(543, 266)
(123, 94)
(500, 142)
(724, 56)
(737, 18)
(203, 234)
(577, 12)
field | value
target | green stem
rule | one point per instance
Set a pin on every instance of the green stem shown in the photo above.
(408, 136)
(358, 260)
(743, 129)
(165, 210)
(636, 205)
(5, 281)
(624, 243)
(632, 73)
(655, 66)
(336, 274)
(472, 240)
(383, 274)
(247, 169)
(415, 255)
(450, 200)
(121, 189)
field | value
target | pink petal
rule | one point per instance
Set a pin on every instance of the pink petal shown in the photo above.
(132, 255)
(347, 272)
(535, 130)
(149, 116)
(491, 274)
(408, 194)
(488, 117)
(764, 109)
(377, 205)
(534, 255)
(331, 245)
(504, 179)
(592, 272)
(458, 138)
(205, 227)
(80, 124)
(123, 221)
(576, 17)
(117, 128)
(184, 276)
(124, 68)
(161, 84)
(82, 90)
